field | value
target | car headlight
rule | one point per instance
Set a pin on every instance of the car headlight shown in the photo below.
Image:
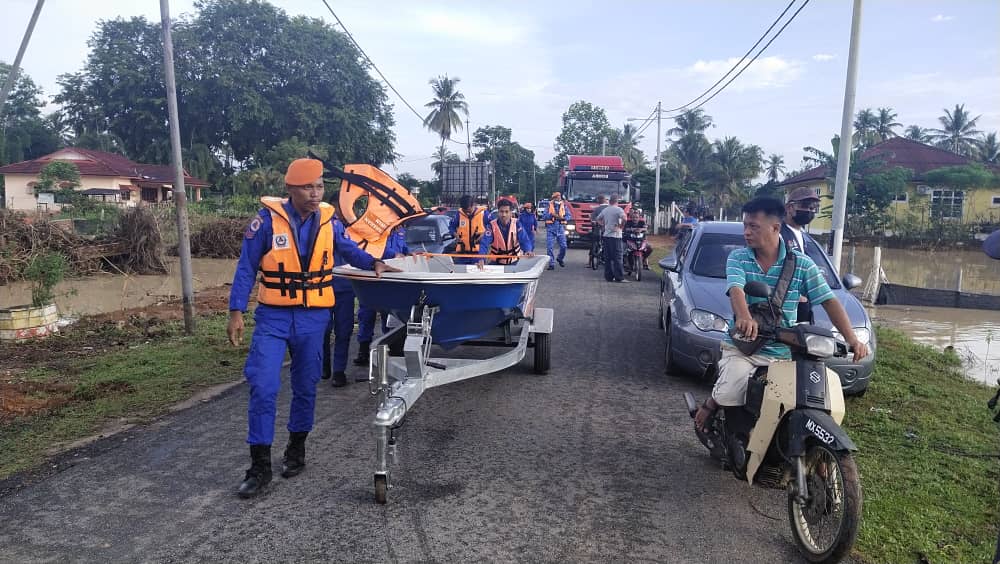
(863, 333)
(570, 227)
(820, 345)
(708, 321)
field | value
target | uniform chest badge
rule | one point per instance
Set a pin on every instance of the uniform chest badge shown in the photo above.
(280, 242)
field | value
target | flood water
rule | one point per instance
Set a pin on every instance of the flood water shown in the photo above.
(932, 269)
(105, 293)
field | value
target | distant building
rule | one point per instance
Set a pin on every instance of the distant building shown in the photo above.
(103, 176)
(975, 205)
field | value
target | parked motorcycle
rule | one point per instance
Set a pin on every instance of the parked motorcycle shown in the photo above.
(788, 436)
(634, 251)
(596, 258)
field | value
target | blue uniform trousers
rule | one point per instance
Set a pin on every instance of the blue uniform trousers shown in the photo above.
(342, 326)
(555, 233)
(366, 324)
(300, 332)
(614, 269)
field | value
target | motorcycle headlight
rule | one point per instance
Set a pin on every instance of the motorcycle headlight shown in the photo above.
(570, 227)
(821, 346)
(863, 333)
(708, 321)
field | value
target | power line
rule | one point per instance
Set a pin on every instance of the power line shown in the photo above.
(374, 66)
(745, 55)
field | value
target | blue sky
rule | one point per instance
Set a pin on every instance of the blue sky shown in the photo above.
(522, 64)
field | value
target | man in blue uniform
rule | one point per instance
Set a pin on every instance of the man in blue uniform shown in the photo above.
(504, 236)
(556, 216)
(395, 246)
(341, 324)
(529, 222)
(291, 243)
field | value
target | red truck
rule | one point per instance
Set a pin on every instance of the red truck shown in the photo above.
(587, 177)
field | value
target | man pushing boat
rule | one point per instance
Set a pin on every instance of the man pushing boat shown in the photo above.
(504, 238)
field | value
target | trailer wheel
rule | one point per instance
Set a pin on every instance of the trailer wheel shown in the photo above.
(542, 353)
(381, 488)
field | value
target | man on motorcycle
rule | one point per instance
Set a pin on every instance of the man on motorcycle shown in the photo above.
(635, 225)
(763, 259)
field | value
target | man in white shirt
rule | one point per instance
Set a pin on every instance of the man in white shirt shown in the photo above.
(612, 219)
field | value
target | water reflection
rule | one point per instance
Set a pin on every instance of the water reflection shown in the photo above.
(109, 292)
(975, 334)
(932, 269)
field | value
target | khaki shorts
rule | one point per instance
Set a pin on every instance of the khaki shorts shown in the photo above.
(735, 368)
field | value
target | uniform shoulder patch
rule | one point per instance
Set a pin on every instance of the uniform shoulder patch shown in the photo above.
(253, 228)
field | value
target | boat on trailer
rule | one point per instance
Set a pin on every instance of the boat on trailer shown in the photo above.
(436, 302)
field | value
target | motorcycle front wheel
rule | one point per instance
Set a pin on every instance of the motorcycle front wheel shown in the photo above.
(826, 524)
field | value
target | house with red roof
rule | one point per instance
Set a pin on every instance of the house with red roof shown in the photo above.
(975, 205)
(105, 176)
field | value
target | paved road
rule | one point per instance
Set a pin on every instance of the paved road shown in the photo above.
(593, 462)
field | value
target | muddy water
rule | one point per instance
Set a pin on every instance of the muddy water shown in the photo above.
(975, 334)
(932, 269)
(109, 292)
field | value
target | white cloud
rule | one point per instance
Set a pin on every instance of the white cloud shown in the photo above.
(942, 18)
(823, 57)
(768, 72)
(469, 27)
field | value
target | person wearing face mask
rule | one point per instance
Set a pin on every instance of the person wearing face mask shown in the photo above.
(800, 210)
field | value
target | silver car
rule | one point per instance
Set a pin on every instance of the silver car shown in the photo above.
(695, 310)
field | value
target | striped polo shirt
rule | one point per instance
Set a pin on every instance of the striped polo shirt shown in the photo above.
(742, 267)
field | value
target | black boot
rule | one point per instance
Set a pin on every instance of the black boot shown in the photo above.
(259, 474)
(362, 358)
(294, 461)
(339, 379)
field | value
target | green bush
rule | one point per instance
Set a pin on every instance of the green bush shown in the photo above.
(45, 271)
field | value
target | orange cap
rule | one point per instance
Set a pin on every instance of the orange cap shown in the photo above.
(303, 172)
(556, 195)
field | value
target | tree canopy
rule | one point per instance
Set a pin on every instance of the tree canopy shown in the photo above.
(584, 127)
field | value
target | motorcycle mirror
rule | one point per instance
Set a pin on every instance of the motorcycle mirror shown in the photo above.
(757, 289)
(851, 281)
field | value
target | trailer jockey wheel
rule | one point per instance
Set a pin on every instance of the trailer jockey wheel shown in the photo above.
(542, 352)
(381, 488)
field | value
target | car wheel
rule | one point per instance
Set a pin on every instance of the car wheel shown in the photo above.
(659, 318)
(669, 366)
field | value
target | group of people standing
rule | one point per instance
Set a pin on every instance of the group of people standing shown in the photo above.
(618, 229)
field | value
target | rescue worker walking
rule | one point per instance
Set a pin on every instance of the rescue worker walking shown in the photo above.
(292, 243)
(468, 227)
(341, 324)
(556, 217)
(395, 246)
(504, 236)
(529, 222)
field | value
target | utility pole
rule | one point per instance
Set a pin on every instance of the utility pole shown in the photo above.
(468, 139)
(656, 189)
(534, 185)
(12, 77)
(180, 195)
(604, 145)
(844, 155)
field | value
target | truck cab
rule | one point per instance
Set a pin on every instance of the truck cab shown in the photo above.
(584, 179)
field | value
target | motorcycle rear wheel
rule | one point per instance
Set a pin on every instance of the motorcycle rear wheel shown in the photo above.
(835, 497)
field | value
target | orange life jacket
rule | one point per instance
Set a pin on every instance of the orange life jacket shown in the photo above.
(556, 215)
(388, 204)
(470, 230)
(282, 279)
(505, 243)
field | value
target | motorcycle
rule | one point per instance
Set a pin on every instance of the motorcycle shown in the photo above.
(596, 258)
(635, 246)
(788, 436)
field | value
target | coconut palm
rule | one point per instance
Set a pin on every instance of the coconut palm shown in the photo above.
(989, 149)
(864, 128)
(919, 134)
(445, 107)
(690, 122)
(885, 122)
(628, 148)
(958, 131)
(733, 165)
(440, 157)
(774, 165)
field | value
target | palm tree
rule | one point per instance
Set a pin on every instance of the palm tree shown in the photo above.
(733, 166)
(441, 157)
(774, 165)
(989, 149)
(919, 134)
(628, 148)
(691, 122)
(885, 122)
(445, 107)
(864, 128)
(958, 132)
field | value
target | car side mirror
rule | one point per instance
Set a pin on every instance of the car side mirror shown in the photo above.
(669, 263)
(757, 289)
(851, 281)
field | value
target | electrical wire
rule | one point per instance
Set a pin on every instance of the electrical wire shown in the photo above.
(374, 66)
(745, 55)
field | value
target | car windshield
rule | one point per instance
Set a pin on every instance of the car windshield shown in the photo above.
(814, 252)
(709, 257)
(588, 189)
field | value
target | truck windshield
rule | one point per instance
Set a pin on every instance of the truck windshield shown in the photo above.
(588, 189)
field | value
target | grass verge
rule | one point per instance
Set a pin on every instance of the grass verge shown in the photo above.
(137, 384)
(924, 436)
